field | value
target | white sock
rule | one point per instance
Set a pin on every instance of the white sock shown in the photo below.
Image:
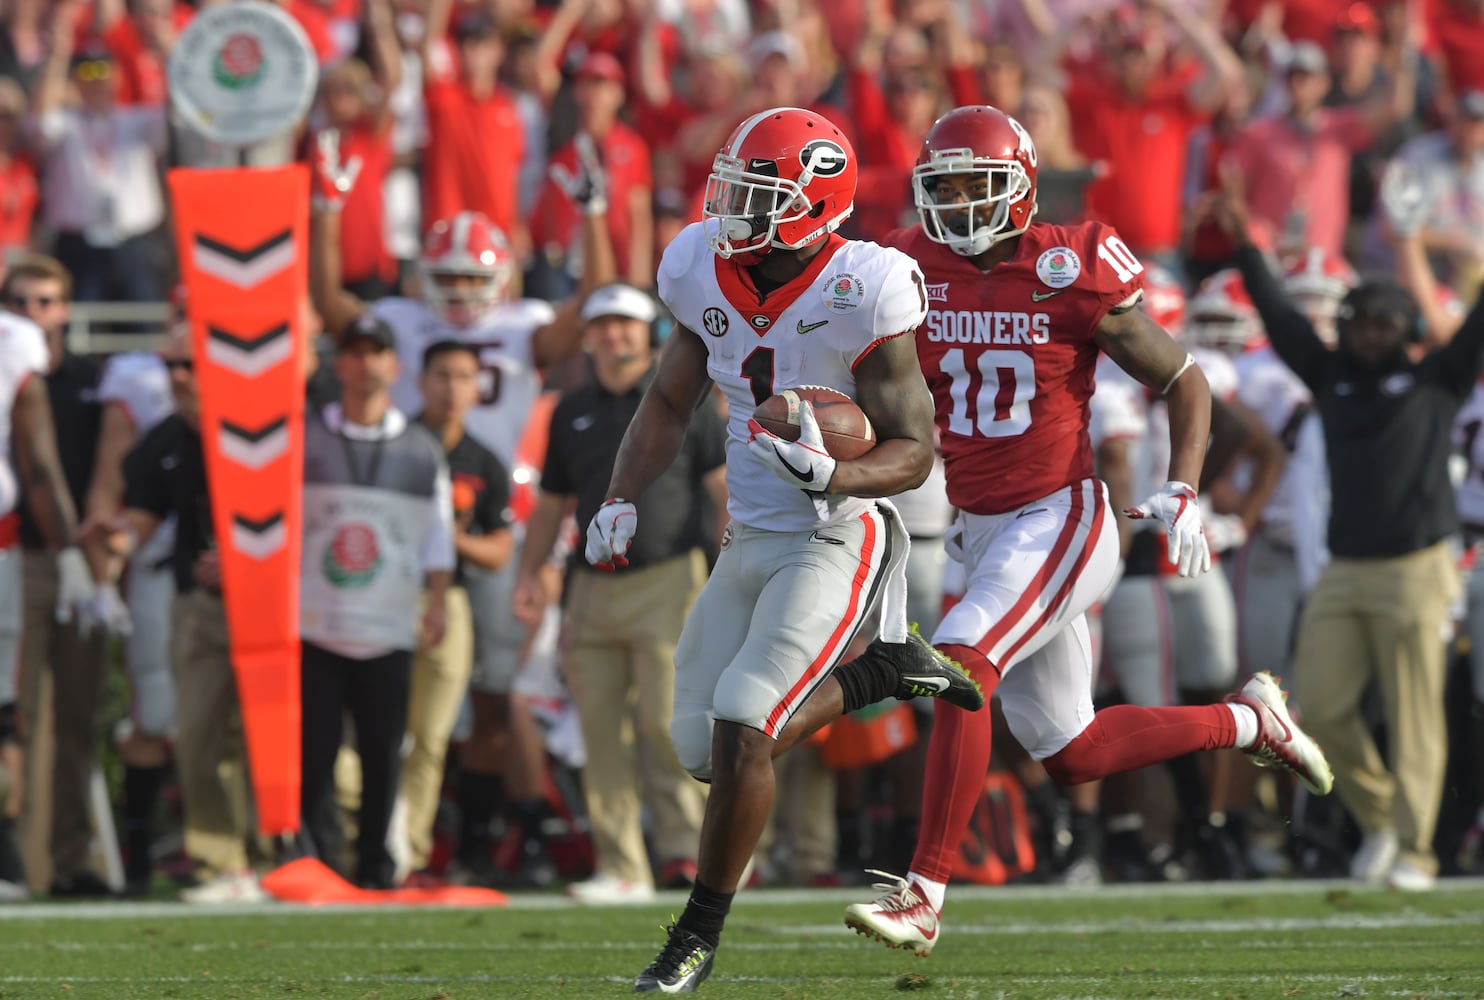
(934, 891)
(1246, 724)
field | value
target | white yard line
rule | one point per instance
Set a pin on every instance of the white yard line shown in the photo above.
(1214, 891)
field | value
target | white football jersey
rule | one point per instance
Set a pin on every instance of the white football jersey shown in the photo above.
(853, 296)
(1151, 460)
(508, 380)
(140, 383)
(1467, 436)
(1119, 408)
(1269, 388)
(23, 353)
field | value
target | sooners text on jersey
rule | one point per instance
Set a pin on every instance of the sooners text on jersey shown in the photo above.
(1009, 356)
(812, 331)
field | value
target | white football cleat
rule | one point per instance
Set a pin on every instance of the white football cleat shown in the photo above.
(902, 918)
(1280, 742)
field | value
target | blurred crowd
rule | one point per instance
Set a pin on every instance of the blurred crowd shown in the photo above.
(1353, 131)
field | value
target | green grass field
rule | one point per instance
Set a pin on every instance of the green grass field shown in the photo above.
(1242, 942)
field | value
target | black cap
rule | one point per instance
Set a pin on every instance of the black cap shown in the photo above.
(474, 23)
(367, 327)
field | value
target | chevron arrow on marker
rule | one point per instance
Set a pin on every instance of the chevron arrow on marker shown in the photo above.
(258, 539)
(255, 448)
(249, 356)
(245, 268)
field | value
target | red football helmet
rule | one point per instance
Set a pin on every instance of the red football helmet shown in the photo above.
(785, 178)
(1164, 299)
(972, 140)
(1222, 316)
(466, 267)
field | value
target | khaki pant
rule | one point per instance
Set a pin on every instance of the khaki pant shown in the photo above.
(75, 667)
(440, 678)
(620, 667)
(210, 755)
(1381, 620)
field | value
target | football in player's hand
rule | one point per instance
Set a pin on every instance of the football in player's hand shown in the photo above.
(846, 431)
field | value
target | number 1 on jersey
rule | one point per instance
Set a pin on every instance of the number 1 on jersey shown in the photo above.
(758, 367)
(1002, 406)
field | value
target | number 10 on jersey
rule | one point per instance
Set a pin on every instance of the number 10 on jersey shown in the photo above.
(994, 398)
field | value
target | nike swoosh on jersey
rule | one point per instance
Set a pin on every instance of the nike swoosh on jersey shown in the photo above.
(938, 684)
(806, 327)
(1043, 296)
(807, 476)
(824, 538)
(1027, 513)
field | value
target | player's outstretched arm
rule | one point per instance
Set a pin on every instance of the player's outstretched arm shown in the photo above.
(657, 431)
(1145, 351)
(891, 391)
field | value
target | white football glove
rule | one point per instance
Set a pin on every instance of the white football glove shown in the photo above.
(803, 463)
(74, 583)
(332, 178)
(1177, 507)
(953, 540)
(588, 184)
(609, 534)
(105, 610)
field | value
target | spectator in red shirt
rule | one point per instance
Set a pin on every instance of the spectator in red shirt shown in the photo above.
(141, 44)
(1457, 31)
(476, 137)
(1062, 173)
(556, 224)
(708, 83)
(17, 175)
(1135, 111)
(1296, 165)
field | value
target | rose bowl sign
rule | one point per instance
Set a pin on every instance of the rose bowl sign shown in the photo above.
(243, 73)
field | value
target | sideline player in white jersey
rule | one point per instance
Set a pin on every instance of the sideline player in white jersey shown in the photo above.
(766, 297)
(465, 279)
(135, 394)
(30, 469)
(1264, 573)
(1020, 312)
(1168, 639)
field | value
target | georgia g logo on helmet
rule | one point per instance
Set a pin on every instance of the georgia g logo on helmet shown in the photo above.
(823, 158)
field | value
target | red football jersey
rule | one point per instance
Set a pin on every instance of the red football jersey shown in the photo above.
(1009, 356)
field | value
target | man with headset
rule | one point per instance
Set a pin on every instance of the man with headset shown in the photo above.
(1380, 607)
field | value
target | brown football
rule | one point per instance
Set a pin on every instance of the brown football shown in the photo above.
(846, 430)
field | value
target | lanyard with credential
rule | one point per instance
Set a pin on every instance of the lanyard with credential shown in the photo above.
(353, 467)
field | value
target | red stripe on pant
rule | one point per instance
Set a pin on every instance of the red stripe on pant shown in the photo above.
(831, 651)
(1038, 583)
(1065, 590)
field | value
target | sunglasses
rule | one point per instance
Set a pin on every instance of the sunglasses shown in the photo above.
(22, 301)
(179, 364)
(93, 71)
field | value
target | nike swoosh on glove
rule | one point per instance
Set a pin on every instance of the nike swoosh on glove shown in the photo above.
(609, 534)
(74, 583)
(803, 463)
(1177, 507)
(105, 610)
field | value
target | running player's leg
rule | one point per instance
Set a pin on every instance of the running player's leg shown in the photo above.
(145, 746)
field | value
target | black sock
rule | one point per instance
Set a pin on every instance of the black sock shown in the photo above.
(1044, 801)
(479, 794)
(1087, 835)
(705, 913)
(11, 867)
(867, 679)
(141, 795)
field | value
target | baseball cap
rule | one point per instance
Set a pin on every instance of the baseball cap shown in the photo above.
(367, 327)
(1307, 57)
(474, 23)
(1358, 17)
(619, 300)
(601, 66)
(1472, 104)
(775, 43)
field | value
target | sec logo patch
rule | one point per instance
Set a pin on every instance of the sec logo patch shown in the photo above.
(1058, 267)
(715, 322)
